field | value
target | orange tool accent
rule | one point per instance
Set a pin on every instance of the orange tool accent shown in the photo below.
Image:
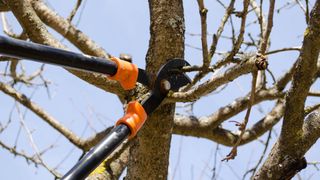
(134, 118)
(127, 73)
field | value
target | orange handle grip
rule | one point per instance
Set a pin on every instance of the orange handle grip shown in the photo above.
(134, 117)
(127, 73)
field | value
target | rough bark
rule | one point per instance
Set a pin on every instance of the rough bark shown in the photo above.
(67, 30)
(149, 155)
(149, 151)
(37, 32)
(191, 126)
(286, 157)
(3, 6)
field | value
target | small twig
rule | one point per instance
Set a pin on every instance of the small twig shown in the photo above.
(21, 98)
(203, 15)
(28, 158)
(207, 56)
(285, 6)
(214, 169)
(13, 67)
(253, 170)
(301, 6)
(178, 160)
(32, 143)
(243, 125)
(221, 3)
(192, 68)
(262, 21)
(316, 94)
(6, 124)
(239, 40)
(258, 11)
(233, 34)
(266, 34)
(310, 109)
(8, 30)
(74, 11)
(21, 154)
(65, 158)
(315, 164)
(215, 37)
(307, 12)
(272, 76)
(283, 50)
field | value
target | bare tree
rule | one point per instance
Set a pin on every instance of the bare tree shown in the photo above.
(248, 55)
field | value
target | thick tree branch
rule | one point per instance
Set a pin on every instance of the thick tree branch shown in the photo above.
(311, 130)
(226, 137)
(240, 104)
(67, 30)
(302, 80)
(285, 151)
(286, 166)
(167, 29)
(245, 67)
(37, 32)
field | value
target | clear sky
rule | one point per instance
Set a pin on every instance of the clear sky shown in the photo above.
(123, 26)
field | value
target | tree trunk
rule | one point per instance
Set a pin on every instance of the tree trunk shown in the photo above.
(149, 155)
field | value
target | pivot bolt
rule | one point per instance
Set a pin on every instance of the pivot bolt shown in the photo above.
(165, 85)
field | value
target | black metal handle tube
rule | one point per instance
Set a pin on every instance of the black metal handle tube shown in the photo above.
(46, 54)
(96, 155)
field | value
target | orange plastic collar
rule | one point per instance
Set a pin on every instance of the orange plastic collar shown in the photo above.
(134, 117)
(127, 73)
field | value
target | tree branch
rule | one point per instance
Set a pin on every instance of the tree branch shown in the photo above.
(37, 32)
(286, 166)
(74, 10)
(243, 125)
(203, 14)
(226, 137)
(246, 66)
(302, 80)
(67, 30)
(266, 33)
(288, 150)
(34, 159)
(216, 36)
(21, 98)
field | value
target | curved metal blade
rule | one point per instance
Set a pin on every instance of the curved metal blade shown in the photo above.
(171, 72)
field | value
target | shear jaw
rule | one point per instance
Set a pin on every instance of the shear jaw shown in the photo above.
(169, 78)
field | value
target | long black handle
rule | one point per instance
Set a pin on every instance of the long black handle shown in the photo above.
(96, 155)
(46, 54)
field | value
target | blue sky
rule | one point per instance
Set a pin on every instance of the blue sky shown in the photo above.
(123, 26)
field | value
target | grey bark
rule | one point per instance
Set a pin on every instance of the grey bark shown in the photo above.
(286, 157)
(149, 155)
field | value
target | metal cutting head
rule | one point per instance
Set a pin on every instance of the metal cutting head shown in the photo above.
(169, 78)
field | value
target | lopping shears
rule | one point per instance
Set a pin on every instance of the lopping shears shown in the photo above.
(170, 77)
